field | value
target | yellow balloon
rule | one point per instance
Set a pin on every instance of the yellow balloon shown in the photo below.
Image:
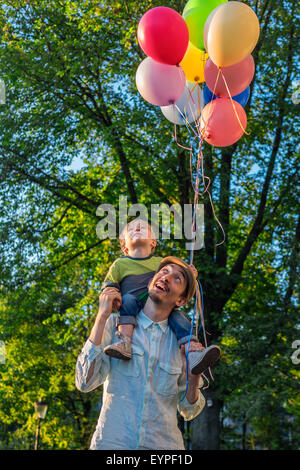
(193, 64)
(230, 33)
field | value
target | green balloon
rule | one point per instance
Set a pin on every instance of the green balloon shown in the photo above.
(193, 4)
(195, 14)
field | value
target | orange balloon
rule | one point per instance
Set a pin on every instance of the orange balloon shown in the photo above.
(223, 122)
(193, 64)
(230, 33)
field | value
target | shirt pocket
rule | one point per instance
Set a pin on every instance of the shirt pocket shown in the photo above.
(132, 367)
(167, 378)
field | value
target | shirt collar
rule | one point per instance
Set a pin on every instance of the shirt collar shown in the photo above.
(147, 322)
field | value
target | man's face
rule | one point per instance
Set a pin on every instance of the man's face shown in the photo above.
(168, 286)
(138, 232)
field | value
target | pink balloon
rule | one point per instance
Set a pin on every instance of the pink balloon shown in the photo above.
(220, 124)
(237, 76)
(160, 84)
(163, 35)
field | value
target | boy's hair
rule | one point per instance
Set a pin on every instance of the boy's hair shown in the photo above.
(122, 237)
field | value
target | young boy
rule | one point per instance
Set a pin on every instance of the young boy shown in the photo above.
(130, 275)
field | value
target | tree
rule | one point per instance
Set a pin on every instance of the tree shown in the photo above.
(69, 71)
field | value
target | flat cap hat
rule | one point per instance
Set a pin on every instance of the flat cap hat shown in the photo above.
(188, 274)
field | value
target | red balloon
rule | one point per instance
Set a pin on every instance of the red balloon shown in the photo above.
(163, 35)
(221, 125)
(237, 76)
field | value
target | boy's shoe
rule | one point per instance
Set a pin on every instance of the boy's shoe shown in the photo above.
(121, 349)
(199, 361)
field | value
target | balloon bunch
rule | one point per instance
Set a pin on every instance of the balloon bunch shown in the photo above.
(199, 66)
(211, 42)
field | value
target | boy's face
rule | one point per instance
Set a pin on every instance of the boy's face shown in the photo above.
(138, 233)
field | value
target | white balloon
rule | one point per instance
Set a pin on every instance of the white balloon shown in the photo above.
(189, 106)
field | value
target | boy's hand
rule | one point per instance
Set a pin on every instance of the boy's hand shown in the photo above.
(117, 301)
(194, 271)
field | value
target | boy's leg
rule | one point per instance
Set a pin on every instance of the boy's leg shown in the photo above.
(199, 360)
(181, 326)
(126, 322)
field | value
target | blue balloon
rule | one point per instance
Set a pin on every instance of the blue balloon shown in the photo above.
(208, 95)
(241, 98)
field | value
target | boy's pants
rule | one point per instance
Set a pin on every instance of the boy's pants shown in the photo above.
(178, 322)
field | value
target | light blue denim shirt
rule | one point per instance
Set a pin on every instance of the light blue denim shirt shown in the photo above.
(140, 396)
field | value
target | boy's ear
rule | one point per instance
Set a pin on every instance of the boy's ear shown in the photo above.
(153, 244)
(123, 247)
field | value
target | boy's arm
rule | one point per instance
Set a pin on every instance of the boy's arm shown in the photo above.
(111, 284)
(113, 277)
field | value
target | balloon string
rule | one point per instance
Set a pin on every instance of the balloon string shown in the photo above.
(201, 308)
(198, 309)
(176, 140)
(196, 189)
(184, 115)
(212, 206)
(185, 119)
(232, 101)
(198, 171)
(193, 222)
(187, 352)
(199, 164)
(209, 106)
(200, 159)
(202, 171)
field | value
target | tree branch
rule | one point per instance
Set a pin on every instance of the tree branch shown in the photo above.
(227, 153)
(61, 184)
(224, 205)
(259, 44)
(258, 222)
(63, 263)
(101, 116)
(57, 222)
(41, 182)
(293, 267)
(150, 181)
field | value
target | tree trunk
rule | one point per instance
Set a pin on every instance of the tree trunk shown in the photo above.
(206, 426)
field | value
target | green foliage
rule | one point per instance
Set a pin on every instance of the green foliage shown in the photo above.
(69, 69)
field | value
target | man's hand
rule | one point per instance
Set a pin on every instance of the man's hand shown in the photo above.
(117, 301)
(107, 300)
(194, 380)
(193, 346)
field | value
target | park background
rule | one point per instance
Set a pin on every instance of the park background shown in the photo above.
(75, 133)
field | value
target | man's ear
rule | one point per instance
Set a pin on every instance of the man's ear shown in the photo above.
(180, 302)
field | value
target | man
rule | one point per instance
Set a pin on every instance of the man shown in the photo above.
(141, 396)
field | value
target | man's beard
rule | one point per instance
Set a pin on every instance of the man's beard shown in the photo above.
(154, 297)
